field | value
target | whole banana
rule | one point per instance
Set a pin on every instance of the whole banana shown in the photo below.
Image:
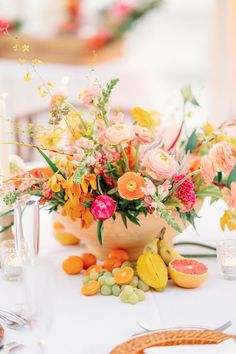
(166, 251)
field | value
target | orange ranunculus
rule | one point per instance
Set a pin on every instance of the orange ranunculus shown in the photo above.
(129, 186)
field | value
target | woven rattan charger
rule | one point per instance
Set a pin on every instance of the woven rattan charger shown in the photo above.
(170, 338)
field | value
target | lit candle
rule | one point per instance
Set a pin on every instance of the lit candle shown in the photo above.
(4, 149)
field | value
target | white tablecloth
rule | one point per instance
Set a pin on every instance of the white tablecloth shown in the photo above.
(95, 325)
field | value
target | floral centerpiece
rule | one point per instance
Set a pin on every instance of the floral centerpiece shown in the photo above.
(113, 166)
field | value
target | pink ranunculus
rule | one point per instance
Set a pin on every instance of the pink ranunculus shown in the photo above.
(116, 118)
(103, 207)
(232, 201)
(91, 160)
(119, 134)
(159, 164)
(89, 95)
(142, 134)
(208, 169)
(223, 156)
(84, 143)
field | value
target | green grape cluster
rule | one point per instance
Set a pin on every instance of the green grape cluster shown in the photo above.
(131, 293)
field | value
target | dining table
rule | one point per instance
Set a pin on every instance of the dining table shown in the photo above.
(97, 324)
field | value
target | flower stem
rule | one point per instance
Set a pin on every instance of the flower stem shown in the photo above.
(173, 189)
(125, 158)
(136, 158)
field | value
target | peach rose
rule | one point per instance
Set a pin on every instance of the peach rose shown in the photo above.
(119, 134)
(223, 156)
(232, 201)
(159, 164)
(208, 169)
(142, 134)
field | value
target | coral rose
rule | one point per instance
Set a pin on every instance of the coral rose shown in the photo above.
(119, 134)
(208, 169)
(130, 186)
(103, 207)
(159, 164)
(223, 156)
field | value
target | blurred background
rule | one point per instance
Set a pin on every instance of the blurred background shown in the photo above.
(153, 47)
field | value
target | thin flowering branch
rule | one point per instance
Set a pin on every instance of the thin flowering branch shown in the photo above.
(38, 147)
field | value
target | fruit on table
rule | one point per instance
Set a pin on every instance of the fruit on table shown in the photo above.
(106, 290)
(166, 251)
(152, 270)
(90, 288)
(62, 236)
(187, 273)
(111, 263)
(119, 253)
(131, 295)
(124, 276)
(88, 259)
(72, 265)
(97, 268)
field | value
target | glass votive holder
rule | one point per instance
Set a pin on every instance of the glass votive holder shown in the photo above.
(10, 264)
(226, 254)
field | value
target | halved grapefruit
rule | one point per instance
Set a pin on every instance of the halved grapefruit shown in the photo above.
(187, 273)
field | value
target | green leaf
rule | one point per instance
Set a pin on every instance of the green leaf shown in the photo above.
(218, 177)
(232, 177)
(132, 218)
(123, 216)
(48, 160)
(5, 228)
(99, 231)
(173, 203)
(88, 205)
(112, 191)
(192, 142)
(188, 96)
(191, 216)
(114, 217)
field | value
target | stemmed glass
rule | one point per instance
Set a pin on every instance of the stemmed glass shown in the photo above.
(38, 276)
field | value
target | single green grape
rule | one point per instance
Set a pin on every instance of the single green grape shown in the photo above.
(123, 296)
(116, 290)
(86, 279)
(133, 299)
(134, 281)
(140, 293)
(128, 290)
(107, 274)
(94, 275)
(143, 286)
(101, 280)
(126, 264)
(115, 270)
(109, 281)
(105, 290)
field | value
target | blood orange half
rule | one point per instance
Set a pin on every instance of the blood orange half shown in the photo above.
(187, 273)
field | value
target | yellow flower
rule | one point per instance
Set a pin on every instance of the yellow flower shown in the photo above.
(144, 118)
(25, 48)
(229, 220)
(89, 180)
(208, 128)
(27, 77)
(51, 138)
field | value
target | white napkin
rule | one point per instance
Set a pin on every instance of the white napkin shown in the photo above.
(226, 347)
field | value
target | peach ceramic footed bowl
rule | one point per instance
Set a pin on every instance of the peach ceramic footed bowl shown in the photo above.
(115, 235)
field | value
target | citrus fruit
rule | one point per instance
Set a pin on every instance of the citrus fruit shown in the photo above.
(72, 265)
(90, 288)
(124, 276)
(119, 253)
(111, 263)
(88, 259)
(187, 273)
(62, 236)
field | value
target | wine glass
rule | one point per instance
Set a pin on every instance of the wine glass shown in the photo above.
(39, 284)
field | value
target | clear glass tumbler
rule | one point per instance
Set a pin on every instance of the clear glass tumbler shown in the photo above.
(226, 254)
(11, 266)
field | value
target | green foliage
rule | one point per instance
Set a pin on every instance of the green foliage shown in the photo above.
(192, 142)
(105, 96)
(188, 96)
(209, 191)
(167, 216)
(190, 217)
(49, 161)
(100, 231)
(232, 177)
